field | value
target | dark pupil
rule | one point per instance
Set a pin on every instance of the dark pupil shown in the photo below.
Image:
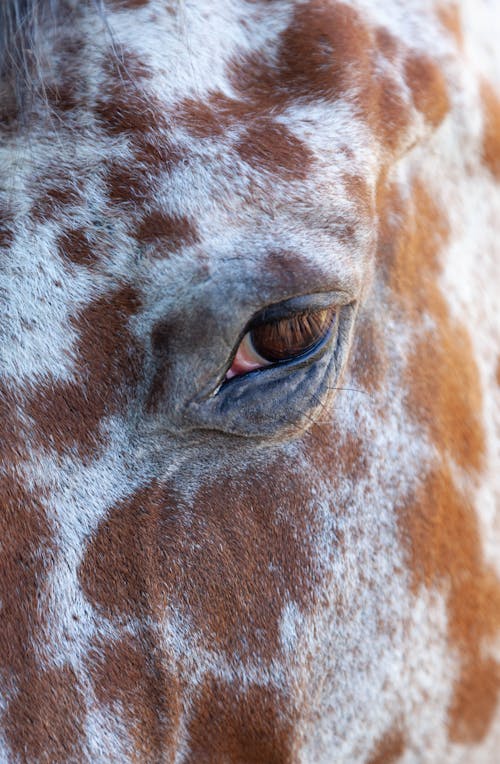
(291, 337)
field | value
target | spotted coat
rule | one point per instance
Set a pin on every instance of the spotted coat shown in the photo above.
(299, 564)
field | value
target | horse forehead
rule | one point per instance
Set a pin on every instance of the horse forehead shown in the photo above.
(263, 130)
(279, 93)
(265, 71)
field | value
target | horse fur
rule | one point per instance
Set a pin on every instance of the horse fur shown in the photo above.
(301, 563)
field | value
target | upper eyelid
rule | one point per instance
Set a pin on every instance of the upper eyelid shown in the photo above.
(296, 306)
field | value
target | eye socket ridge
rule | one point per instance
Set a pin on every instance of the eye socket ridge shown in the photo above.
(284, 333)
(296, 305)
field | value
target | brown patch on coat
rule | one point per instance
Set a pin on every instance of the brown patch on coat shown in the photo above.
(445, 393)
(11, 442)
(438, 522)
(107, 365)
(228, 563)
(126, 184)
(450, 18)
(25, 564)
(357, 187)
(74, 245)
(68, 90)
(324, 51)
(328, 52)
(368, 362)
(121, 569)
(128, 110)
(346, 453)
(293, 273)
(131, 5)
(6, 232)
(477, 694)
(55, 192)
(131, 679)
(386, 110)
(10, 112)
(386, 43)
(251, 725)
(428, 86)
(44, 722)
(264, 144)
(440, 530)
(269, 146)
(442, 377)
(412, 232)
(160, 345)
(43, 717)
(491, 130)
(26, 559)
(167, 232)
(65, 89)
(126, 107)
(206, 119)
(62, 97)
(390, 748)
(125, 64)
(155, 153)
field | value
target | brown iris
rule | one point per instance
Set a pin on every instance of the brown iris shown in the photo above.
(288, 338)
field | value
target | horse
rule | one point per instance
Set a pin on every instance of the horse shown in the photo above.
(249, 381)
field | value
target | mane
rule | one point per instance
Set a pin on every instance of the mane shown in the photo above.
(23, 24)
(20, 23)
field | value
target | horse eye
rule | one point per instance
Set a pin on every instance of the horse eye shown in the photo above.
(281, 340)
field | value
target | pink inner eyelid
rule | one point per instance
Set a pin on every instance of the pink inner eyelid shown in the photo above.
(246, 359)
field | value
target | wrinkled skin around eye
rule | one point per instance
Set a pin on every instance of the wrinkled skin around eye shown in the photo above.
(282, 340)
